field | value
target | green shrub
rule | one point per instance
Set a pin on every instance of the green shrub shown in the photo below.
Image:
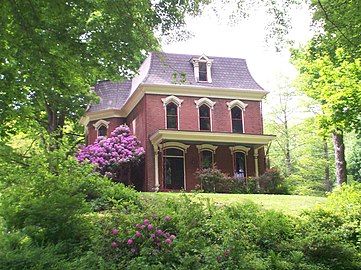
(272, 182)
(52, 203)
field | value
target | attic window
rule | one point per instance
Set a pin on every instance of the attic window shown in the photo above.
(202, 71)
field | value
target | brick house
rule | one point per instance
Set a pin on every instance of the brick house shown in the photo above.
(188, 112)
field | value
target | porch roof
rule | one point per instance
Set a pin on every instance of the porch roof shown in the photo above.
(166, 135)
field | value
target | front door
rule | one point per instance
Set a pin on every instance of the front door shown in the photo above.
(173, 169)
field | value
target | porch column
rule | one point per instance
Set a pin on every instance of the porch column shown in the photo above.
(156, 167)
(255, 154)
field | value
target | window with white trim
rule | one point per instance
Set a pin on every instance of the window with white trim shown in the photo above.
(204, 117)
(172, 115)
(237, 120)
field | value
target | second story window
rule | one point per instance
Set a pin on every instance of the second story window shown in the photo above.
(172, 106)
(202, 71)
(237, 120)
(172, 115)
(204, 118)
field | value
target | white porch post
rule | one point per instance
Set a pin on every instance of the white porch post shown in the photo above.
(255, 154)
(156, 167)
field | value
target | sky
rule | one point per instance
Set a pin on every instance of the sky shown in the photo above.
(214, 36)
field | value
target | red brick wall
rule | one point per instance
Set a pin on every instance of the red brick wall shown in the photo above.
(188, 115)
(149, 116)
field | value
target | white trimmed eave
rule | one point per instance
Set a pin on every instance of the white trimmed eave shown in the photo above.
(176, 90)
(209, 137)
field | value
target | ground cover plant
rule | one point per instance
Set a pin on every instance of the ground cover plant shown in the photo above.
(59, 214)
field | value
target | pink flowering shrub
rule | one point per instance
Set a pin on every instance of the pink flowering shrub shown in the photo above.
(145, 235)
(112, 156)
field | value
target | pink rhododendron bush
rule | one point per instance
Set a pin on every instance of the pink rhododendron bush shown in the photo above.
(113, 156)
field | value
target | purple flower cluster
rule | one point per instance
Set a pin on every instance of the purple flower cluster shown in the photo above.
(120, 148)
(147, 234)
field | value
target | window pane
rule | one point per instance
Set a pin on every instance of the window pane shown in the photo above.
(171, 109)
(172, 115)
(205, 124)
(240, 164)
(102, 131)
(204, 111)
(174, 152)
(172, 121)
(207, 159)
(202, 71)
(237, 126)
(237, 113)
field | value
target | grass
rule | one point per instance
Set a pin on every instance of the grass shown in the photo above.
(288, 204)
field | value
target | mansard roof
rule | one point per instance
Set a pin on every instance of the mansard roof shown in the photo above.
(176, 69)
(112, 95)
(226, 72)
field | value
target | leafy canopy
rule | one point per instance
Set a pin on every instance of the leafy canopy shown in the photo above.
(52, 51)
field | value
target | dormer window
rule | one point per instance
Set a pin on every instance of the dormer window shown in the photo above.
(202, 69)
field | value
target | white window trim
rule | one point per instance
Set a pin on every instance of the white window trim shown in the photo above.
(99, 124)
(209, 147)
(210, 104)
(177, 145)
(237, 103)
(239, 148)
(230, 117)
(178, 102)
(204, 100)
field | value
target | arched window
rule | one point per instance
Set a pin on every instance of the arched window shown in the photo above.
(172, 115)
(101, 127)
(239, 164)
(237, 120)
(204, 117)
(206, 159)
(102, 130)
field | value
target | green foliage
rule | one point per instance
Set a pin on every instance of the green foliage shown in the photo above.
(51, 52)
(354, 162)
(47, 207)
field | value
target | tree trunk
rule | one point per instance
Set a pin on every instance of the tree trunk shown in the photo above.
(287, 147)
(328, 184)
(341, 174)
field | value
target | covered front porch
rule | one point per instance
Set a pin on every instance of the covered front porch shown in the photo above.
(178, 155)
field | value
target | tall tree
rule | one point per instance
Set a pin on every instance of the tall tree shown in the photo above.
(52, 51)
(330, 71)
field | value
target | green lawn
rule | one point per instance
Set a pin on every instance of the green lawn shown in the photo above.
(289, 204)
